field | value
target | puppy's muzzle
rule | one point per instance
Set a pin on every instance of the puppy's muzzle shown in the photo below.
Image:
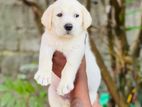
(68, 27)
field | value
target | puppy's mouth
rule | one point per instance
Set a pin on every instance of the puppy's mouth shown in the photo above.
(68, 33)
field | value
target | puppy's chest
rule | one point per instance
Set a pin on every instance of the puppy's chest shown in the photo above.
(65, 46)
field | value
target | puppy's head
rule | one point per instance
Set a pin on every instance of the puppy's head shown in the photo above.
(66, 18)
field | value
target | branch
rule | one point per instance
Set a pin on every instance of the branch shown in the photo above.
(135, 48)
(47, 2)
(88, 6)
(120, 24)
(37, 10)
(107, 78)
(110, 37)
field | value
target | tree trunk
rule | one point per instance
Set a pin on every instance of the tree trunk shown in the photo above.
(107, 78)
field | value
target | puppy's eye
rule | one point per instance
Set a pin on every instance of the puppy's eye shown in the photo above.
(59, 14)
(76, 15)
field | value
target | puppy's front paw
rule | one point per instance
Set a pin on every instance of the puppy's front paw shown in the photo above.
(43, 78)
(65, 86)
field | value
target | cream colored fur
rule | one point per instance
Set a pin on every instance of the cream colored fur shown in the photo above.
(73, 45)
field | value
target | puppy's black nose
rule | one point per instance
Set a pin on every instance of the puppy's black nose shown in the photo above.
(68, 27)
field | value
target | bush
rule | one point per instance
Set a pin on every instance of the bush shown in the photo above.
(21, 93)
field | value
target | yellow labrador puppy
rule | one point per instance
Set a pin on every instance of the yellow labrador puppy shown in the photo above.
(66, 23)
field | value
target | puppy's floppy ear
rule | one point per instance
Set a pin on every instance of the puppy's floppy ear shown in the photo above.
(87, 19)
(46, 18)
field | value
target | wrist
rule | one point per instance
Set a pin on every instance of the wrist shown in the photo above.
(76, 102)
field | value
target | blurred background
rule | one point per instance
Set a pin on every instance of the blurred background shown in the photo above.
(116, 40)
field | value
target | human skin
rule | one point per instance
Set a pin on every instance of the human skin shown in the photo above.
(79, 95)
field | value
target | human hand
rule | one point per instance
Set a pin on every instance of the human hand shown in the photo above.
(79, 95)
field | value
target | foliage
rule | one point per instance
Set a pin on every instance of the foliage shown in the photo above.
(133, 28)
(129, 1)
(21, 93)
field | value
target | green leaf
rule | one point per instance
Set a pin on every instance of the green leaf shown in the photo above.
(5, 99)
(23, 104)
(33, 102)
(129, 1)
(133, 28)
(18, 85)
(20, 103)
(43, 94)
(23, 87)
(36, 102)
(132, 12)
(12, 102)
(3, 88)
(28, 87)
(9, 84)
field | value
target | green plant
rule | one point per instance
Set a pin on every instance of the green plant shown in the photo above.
(21, 93)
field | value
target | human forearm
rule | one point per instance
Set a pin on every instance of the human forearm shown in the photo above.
(80, 96)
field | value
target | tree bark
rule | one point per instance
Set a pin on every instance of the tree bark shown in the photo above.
(37, 10)
(112, 88)
(136, 47)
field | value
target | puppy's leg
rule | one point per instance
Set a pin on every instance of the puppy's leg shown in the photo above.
(43, 76)
(69, 72)
(55, 100)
